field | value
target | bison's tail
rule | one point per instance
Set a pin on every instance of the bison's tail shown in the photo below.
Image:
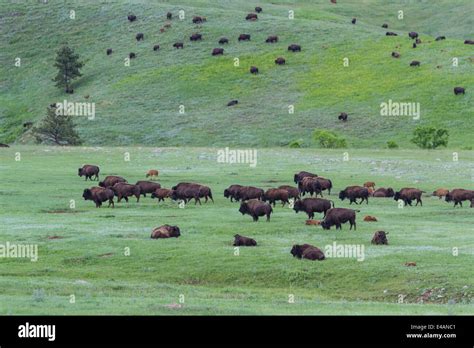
(330, 184)
(210, 196)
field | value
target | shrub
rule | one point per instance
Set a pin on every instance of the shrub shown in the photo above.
(328, 139)
(296, 144)
(429, 137)
(392, 145)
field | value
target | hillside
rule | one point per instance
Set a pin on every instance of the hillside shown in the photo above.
(139, 104)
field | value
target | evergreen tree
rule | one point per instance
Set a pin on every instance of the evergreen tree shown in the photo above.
(68, 65)
(57, 129)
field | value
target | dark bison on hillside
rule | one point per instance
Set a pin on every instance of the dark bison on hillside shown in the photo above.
(165, 231)
(391, 33)
(384, 192)
(294, 48)
(139, 36)
(147, 187)
(380, 238)
(413, 35)
(354, 192)
(299, 176)
(169, 16)
(342, 117)
(469, 42)
(251, 17)
(232, 192)
(313, 205)
(459, 90)
(233, 102)
(307, 251)
(385, 25)
(459, 195)
(99, 195)
(187, 191)
(354, 20)
(280, 61)
(223, 40)
(256, 208)
(132, 55)
(293, 192)
(195, 37)
(272, 39)
(111, 180)
(124, 190)
(156, 47)
(243, 241)
(132, 18)
(274, 194)
(439, 38)
(217, 51)
(248, 192)
(415, 63)
(258, 9)
(88, 171)
(109, 51)
(161, 194)
(408, 194)
(395, 55)
(178, 45)
(338, 216)
(198, 19)
(254, 70)
(244, 37)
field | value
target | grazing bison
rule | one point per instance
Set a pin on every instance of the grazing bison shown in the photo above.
(369, 218)
(309, 185)
(188, 191)
(147, 187)
(325, 184)
(256, 208)
(124, 190)
(195, 37)
(156, 47)
(459, 90)
(272, 39)
(244, 241)
(385, 25)
(132, 55)
(439, 38)
(384, 192)
(413, 35)
(232, 192)
(294, 48)
(152, 173)
(233, 102)
(415, 63)
(280, 61)
(169, 16)
(244, 37)
(354, 192)
(343, 117)
(254, 70)
(165, 231)
(391, 33)
(217, 51)
(441, 192)
(88, 171)
(198, 19)
(274, 194)
(395, 55)
(111, 180)
(380, 237)
(139, 36)
(109, 51)
(299, 176)
(469, 42)
(354, 20)
(248, 192)
(313, 205)
(99, 195)
(307, 251)
(408, 194)
(338, 216)
(132, 18)
(251, 17)
(223, 40)
(178, 45)
(459, 195)
(293, 192)
(258, 9)
(161, 194)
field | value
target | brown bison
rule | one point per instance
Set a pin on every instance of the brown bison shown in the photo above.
(244, 37)
(178, 45)
(244, 241)
(152, 173)
(198, 19)
(369, 218)
(111, 180)
(147, 187)
(272, 39)
(132, 18)
(439, 38)
(459, 90)
(132, 55)
(313, 205)
(233, 102)
(395, 55)
(354, 192)
(232, 192)
(88, 171)
(195, 37)
(391, 33)
(99, 195)
(188, 191)
(223, 40)
(380, 237)
(354, 20)
(251, 17)
(139, 36)
(313, 222)
(408, 194)
(384, 192)
(156, 47)
(309, 185)
(169, 16)
(248, 192)
(280, 61)
(217, 51)
(415, 63)
(254, 70)
(413, 35)
(258, 9)
(165, 231)
(342, 117)
(441, 192)
(307, 251)
(469, 42)
(109, 51)
(124, 190)
(299, 176)
(293, 192)
(324, 184)
(369, 184)
(459, 195)
(294, 48)
(256, 208)
(161, 194)
(338, 216)
(410, 264)
(274, 194)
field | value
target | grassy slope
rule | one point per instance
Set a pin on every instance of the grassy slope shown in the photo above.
(201, 264)
(139, 104)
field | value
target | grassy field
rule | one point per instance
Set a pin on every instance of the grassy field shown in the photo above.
(87, 256)
(139, 104)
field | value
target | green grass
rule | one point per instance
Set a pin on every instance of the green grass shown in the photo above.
(201, 265)
(139, 104)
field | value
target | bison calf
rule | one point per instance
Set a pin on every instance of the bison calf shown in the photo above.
(161, 194)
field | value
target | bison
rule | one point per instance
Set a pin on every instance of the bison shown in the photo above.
(307, 251)
(380, 237)
(408, 194)
(251, 17)
(156, 47)
(354, 20)
(99, 195)
(132, 18)
(109, 51)
(293, 192)
(232, 192)
(413, 35)
(294, 48)
(165, 231)
(369, 218)
(439, 38)
(299, 176)
(169, 16)
(342, 117)
(198, 19)
(223, 40)
(248, 192)
(459, 195)
(256, 208)
(385, 25)
(258, 9)
(395, 55)
(469, 42)
(384, 192)
(88, 171)
(391, 33)
(111, 180)
(313, 205)
(309, 185)
(369, 184)
(414, 45)
(338, 216)
(354, 192)
(272, 39)
(280, 61)
(161, 194)
(188, 191)
(459, 90)
(243, 241)
(153, 173)
(274, 194)
(124, 190)
(441, 192)
(254, 70)
(178, 45)
(233, 102)
(132, 55)
(415, 63)
(139, 36)
(244, 37)
(217, 51)
(195, 37)
(147, 187)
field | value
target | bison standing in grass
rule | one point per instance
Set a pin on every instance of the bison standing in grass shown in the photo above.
(248, 192)
(124, 190)
(408, 194)
(299, 176)
(272, 39)
(459, 195)
(223, 40)
(280, 61)
(256, 208)
(274, 194)
(354, 192)
(89, 171)
(139, 37)
(217, 51)
(195, 37)
(187, 191)
(165, 231)
(244, 37)
(152, 173)
(459, 90)
(244, 241)
(147, 187)
(232, 192)
(380, 238)
(294, 48)
(307, 251)
(161, 194)
(111, 180)
(313, 205)
(338, 216)
(441, 192)
(293, 192)
(99, 195)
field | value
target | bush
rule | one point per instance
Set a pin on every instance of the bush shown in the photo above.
(392, 145)
(295, 144)
(328, 139)
(429, 137)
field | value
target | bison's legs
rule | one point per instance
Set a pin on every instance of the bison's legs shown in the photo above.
(268, 217)
(111, 202)
(126, 198)
(138, 197)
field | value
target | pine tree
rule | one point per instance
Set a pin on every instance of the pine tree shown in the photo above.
(57, 129)
(68, 65)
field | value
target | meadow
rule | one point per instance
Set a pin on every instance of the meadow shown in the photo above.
(105, 258)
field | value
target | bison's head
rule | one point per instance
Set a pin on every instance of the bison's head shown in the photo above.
(174, 195)
(101, 184)
(226, 193)
(298, 206)
(342, 195)
(448, 198)
(153, 195)
(390, 192)
(244, 208)
(295, 178)
(175, 232)
(296, 251)
(79, 172)
(87, 194)
(396, 196)
(326, 225)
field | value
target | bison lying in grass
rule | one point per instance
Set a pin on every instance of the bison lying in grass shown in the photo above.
(380, 237)
(165, 231)
(244, 241)
(307, 251)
